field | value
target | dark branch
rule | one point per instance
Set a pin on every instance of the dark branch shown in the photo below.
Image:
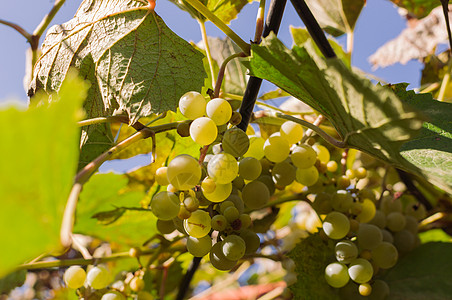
(185, 283)
(408, 181)
(445, 4)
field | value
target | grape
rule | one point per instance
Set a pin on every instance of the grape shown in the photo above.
(218, 260)
(288, 264)
(323, 154)
(171, 188)
(283, 173)
(380, 290)
(276, 148)
(74, 277)
(223, 168)
(385, 255)
(341, 201)
(343, 182)
(350, 173)
(184, 172)
(416, 210)
(360, 270)
(192, 105)
(389, 204)
(365, 289)
(224, 205)
(199, 224)
(379, 219)
(252, 241)
(184, 213)
(336, 275)
(256, 148)
(291, 131)
(143, 295)
(369, 236)
(395, 221)
(208, 185)
(235, 142)
(387, 236)
(203, 131)
(199, 246)
(219, 110)
(161, 177)
(165, 205)
(322, 203)
(411, 224)
(250, 168)
(134, 252)
(303, 156)
(236, 117)
(331, 166)
(368, 211)
(404, 241)
(361, 173)
(238, 202)
(255, 194)
(366, 193)
(345, 251)
(231, 214)
(336, 225)
(233, 247)
(112, 296)
(307, 177)
(221, 192)
(268, 181)
(266, 166)
(137, 284)
(98, 277)
(245, 221)
(165, 226)
(191, 203)
(219, 223)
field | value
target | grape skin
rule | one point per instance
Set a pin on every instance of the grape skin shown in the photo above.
(345, 251)
(308, 176)
(336, 225)
(199, 247)
(336, 275)
(360, 270)
(303, 156)
(385, 255)
(291, 131)
(192, 105)
(74, 277)
(255, 194)
(369, 236)
(112, 296)
(184, 172)
(98, 277)
(203, 131)
(218, 260)
(223, 168)
(233, 247)
(165, 205)
(219, 110)
(199, 224)
(276, 149)
(250, 168)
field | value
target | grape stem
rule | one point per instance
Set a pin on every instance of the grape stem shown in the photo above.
(202, 25)
(223, 66)
(259, 22)
(412, 188)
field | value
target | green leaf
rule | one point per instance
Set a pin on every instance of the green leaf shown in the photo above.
(434, 235)
(38, 160)
(132, 228)
(418, 8)
(311, 256)
(140, 65)
(278, 93)
(431, 150)
(368, 118)
(422, 274)
(336, 17)
(11, 281)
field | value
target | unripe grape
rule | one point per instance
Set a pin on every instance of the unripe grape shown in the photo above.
(385, 255)
(250, 168)
(184, 172)
(218, 260)
(369, 236)
(331, 166)
(307, 177)
(404, 241)
(291, 131)
(165, 226)
(233, 247)
(112, 296)
(235, 142)
(74, 277)
(323, 154)
(256, 148)
(184, 213)
(350, 173)
(380, 290)
(98, 277)
(199, 224)
(137, 284)
(283, 173)
(203, 131)
(361, 173)
(276, 148)
(252, 241)
(336, 225)
(236, 118)
(245, 220)
(183, 129)
(199, 246)
(345, 251)
(208, 185)
(322, 203)
(231, 214)
(165, 205)
(303, 156)
(379, 219)
(161, 177)
(192, 105)
(343, 182)
(395, 221)
(341, 201)
(360, 270)
(219, 110)
(223, 168)
(255, 194)
(389, 204)
(365, 289)
(221, 192)
(336, 275)
(368, 211)
(191, 203)
(219, 223)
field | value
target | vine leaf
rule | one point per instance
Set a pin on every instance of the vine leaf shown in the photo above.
(417, 8)
(423, 273)
(416, 42)
(336, 17)
(369, 118)
(38, 160)
(431, 150)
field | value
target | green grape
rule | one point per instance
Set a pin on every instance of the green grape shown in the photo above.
(303, 156)
(350, 173)
(252, 241)
(219, 110)
(192, 105)
(223, 168)
(395, 221)
(356, 208)
(233, 247)
(161, 177)
(137, 284)
(112, 296)
(256, 148)
(366, 193)
(385, 255)
(416, 210)
(331, 166)
(341, 201)
(283, 173)
(183, 129)
(238, 202)
(369, 236)
(208, 185)
(218, 260)
(288, 264)
(74, 277)
(345, 251)
(219, 223)
(387, 236)
(203, 131)
(308, 176)
(322, 203)
(291, 131)
(245, 221)
(336, 225)
(361, 173)
(184, 172)
(143, 295)
(276, 148)
(165, 205)
(199, 224)
(184, 213)
(268, 181)
(343, 182)
(235, 142)
(191, 203)
(266, 166)
(221, 192)
(165, 226)
(323, 154)
(171, 188)
(231, 214)
(404, 241)
(350, 292)
(250, 168)
(379, 219)
(98, 277)
(411, 224)
(336, 275)
(199, 247)
(365, 289)
(224, 205)
(368, 211)
(255, 194)
(380, 290)
(389, 204)
(360, 270)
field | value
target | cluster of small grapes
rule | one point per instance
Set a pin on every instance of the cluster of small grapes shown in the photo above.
(99, 278)
(368, 240)
(206, 200)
